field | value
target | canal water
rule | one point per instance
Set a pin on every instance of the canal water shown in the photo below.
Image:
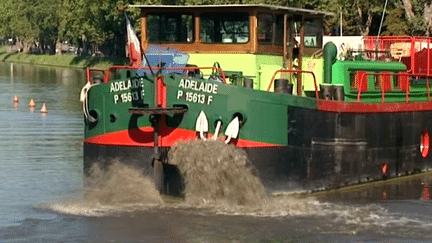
(42, 198)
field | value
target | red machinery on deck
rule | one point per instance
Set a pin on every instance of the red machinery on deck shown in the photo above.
(414, 52)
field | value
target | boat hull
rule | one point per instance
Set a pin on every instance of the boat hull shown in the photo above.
(325, 149)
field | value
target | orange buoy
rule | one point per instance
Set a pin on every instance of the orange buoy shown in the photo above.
(384, 194)
(15, 99)
(425, 140)
(384, 170)
(426, 192)
(32, 103)
(44, 109)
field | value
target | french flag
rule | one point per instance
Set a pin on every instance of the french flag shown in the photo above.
(133, 47)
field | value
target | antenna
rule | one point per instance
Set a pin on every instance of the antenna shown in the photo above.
(341, 17)
(382, 18)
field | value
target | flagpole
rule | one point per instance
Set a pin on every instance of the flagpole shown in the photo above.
(141, 50)
(341, 22)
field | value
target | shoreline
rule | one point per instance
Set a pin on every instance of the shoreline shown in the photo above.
(63, 60)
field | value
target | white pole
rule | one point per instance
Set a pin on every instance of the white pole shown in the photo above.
(341, 23)
(382, 18)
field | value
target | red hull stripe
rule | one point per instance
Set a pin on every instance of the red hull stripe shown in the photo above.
(358, 107)
(143, 137)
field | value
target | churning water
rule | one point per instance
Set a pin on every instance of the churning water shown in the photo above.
(216, 173)
(43, 199)
(219, 180)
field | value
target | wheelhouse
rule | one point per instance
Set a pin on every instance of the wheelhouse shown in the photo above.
(253, 41)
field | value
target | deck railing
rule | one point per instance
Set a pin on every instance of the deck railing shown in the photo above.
(385, 83)
(414, 52)
(295, 71)
(107, 73)
(388, 82)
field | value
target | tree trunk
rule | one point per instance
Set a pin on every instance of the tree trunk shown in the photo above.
(85, 47)
(58, 47)
(363, 28)
(408, 9)
(427, 16)
(26, 46)
(367, 24)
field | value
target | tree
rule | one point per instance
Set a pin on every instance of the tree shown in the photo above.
(395, 22)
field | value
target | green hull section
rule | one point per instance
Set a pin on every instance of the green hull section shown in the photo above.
(264, 114)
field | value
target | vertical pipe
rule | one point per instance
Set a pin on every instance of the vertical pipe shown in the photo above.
(428, 58)
(253, 32)
(428, 88)
(274, 29)
(285, 38)
(330, 54)
(382, 88)
(197, 28)
(300, 57)
(362, 76)
(382, 18)
(144, 42)
(407, 91)
(87, 72)
(156, 126)
(412, 55)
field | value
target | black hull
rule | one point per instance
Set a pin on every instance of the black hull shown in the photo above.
(325, 150)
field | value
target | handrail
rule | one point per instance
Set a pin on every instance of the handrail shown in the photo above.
(418, 64)
(294, 71)
(360, 85)
(383, 91)
(88, 73)
(106, 78)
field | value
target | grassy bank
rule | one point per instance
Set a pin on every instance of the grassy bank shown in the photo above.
(64, 60)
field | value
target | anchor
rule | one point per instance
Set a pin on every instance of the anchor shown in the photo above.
(232, 130)
(201, 125)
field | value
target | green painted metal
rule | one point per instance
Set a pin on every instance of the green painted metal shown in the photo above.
(112, 100)
(330, 54)
(315, 65)
(260, 68)
(253, 105)
(265, 114)
(223, 104)
(342, 72)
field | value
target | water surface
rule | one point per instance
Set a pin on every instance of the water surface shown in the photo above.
(42, 197)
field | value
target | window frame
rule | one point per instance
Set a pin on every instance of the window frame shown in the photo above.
(167, 17)
(200, 34)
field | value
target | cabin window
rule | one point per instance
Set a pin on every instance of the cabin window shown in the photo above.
(170, 28)
(313, 33)
(297, 26)
(265, 28)
(279, 33)
(225, 28)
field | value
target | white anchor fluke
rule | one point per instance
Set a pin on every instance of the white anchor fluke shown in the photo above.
(202, 125)
(232, 130)
(218, 127)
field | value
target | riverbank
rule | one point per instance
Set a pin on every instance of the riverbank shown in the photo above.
(64, 60)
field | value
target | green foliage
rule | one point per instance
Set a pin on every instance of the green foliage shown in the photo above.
(97, 25)
(66, 60)
(395, 22)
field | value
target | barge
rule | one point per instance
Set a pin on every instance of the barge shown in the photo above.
(260, 78)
